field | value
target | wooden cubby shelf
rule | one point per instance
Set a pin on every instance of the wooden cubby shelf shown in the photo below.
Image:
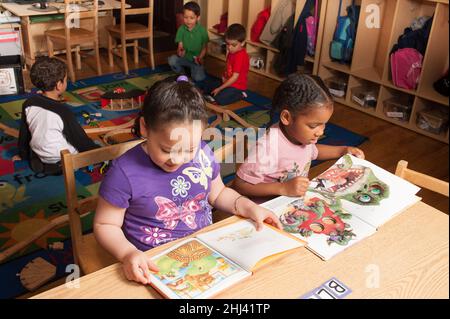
(371, 57)
(245, 12)
(371, 65)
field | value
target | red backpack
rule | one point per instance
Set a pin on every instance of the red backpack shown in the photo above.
(259, 24)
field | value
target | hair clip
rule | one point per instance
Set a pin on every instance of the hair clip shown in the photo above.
(182, 78)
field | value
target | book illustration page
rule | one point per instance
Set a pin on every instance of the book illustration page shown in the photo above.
(317, 216)
(192, 269)
(322, 223)
(244, 245)
(364, 189)
(355, 183)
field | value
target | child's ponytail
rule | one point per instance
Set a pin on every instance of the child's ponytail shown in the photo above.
(136, 129)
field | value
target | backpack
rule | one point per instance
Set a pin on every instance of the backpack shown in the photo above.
(406, 67)
(259, 24)
(311, 30)
(341, 48)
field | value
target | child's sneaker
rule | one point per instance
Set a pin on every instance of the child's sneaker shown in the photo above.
(209, 98)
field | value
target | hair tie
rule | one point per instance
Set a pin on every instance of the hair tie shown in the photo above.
(182, 78)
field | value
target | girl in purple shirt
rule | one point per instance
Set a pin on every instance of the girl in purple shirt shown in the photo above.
(164, 188)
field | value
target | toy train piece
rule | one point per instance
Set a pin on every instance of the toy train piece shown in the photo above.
(121, 100)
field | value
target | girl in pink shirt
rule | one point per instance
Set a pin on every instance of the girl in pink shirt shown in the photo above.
(305, 106)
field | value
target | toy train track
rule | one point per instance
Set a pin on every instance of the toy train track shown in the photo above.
(121, 100)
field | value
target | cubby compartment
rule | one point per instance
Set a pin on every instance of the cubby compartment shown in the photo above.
(258, 58)
(254, 8)
(436, 61)
(337, 83)
(396, 106)
(329, 30)
(372, 39)
(308, 68)
(406, 12)
(214, 13)
(217, 48)
(431, 117)
(363, 94)
(270, 70)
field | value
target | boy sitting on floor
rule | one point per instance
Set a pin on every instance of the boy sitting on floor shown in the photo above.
(234, 80)
(192, 39)
(47, 126)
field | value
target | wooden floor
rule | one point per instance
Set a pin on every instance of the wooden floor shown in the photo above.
(387, 143)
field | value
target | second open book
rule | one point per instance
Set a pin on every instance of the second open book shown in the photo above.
(344, 205)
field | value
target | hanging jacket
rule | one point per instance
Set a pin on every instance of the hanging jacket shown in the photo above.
(283, 42)
(297, 54)
(417, 39)
(279, 16)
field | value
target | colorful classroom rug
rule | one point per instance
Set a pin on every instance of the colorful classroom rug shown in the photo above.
(29, 201)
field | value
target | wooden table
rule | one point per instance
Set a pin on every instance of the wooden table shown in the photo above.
(33, 33)
(410, 252)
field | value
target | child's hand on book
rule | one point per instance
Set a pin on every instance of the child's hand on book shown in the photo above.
(295, 187)
(137, 267)
(355, 152)
(248, 209)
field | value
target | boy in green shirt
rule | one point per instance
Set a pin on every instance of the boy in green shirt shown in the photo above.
(192, 39)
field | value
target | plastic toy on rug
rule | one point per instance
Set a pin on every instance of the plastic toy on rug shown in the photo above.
(90, 119)
(121, 100)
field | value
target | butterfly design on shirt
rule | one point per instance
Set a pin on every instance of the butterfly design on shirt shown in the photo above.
(200, 175)
(171, 214)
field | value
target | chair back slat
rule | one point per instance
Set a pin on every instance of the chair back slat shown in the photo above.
(422, 180)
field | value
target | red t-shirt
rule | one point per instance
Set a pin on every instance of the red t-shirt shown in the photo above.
(238, 62)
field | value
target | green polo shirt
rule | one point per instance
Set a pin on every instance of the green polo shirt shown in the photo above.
(193, 41)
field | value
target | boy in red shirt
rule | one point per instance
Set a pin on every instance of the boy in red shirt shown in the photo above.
(234, 80)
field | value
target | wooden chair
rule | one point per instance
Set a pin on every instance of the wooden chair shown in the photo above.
(75, 37)
(131, 32)
(422, 180)
(87, 253)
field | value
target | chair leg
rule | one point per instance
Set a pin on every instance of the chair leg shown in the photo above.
(136, 51)
(124, 56)
(110, 50)
(97, 58)
(51, 51)
(150, 52)
(78, 57)
(70, 64)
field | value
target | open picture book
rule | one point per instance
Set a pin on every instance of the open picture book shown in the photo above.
(344, 205)
(203, 266)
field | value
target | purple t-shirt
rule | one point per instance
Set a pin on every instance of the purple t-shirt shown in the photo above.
(160, 206)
